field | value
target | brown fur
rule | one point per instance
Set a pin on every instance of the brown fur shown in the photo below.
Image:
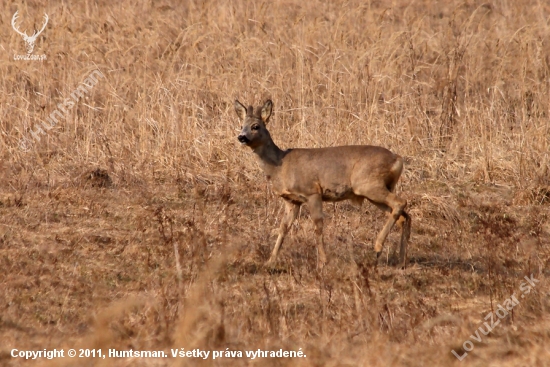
(312, 176)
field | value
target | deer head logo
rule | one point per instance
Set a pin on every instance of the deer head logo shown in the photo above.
(29, 40)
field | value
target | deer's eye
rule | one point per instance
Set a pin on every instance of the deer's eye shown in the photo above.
(256, 127)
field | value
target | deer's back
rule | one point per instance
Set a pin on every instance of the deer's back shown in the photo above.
(334, 171)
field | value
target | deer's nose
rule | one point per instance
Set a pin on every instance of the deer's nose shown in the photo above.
(243, 139)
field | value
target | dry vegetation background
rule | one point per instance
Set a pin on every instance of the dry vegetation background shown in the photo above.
(139, 222)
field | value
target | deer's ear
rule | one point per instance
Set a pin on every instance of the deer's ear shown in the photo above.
(240, 109)
(267, 108)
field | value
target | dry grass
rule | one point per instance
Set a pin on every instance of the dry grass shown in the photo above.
(147, 166)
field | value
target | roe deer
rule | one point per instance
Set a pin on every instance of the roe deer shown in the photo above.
(315, 175)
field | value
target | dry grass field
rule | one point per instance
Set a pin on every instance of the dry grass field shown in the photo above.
(139, 222)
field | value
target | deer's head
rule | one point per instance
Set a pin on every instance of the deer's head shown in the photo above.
(254, 132)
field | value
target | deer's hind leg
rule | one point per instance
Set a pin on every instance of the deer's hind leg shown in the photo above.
(395, 206)
(404, 225)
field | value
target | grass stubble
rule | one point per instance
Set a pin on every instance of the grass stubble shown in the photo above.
(139, 223)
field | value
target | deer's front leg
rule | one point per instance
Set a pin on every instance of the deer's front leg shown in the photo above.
(291, 212)
(315, 204)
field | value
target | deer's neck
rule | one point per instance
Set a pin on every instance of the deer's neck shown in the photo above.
(270, 156)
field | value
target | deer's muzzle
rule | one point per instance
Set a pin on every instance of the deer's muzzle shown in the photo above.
(243, 139)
